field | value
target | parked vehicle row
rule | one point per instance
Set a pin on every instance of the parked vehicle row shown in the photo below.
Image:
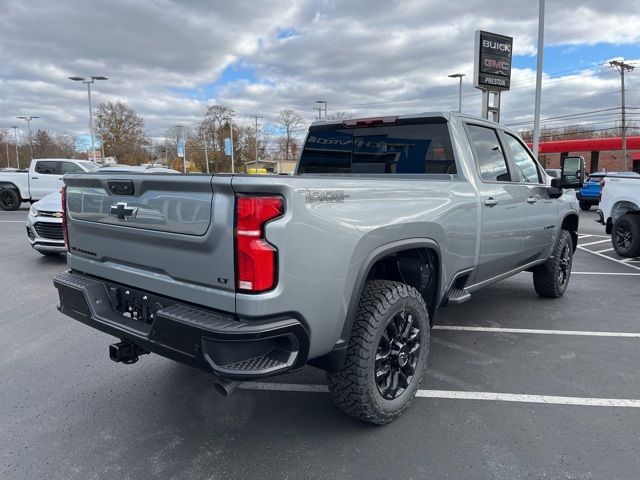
(43, 177)
(589, 194)
(44, 222)
(343, 265)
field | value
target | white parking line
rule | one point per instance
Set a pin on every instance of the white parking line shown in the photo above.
(609, 258)
(580, 237)
(535, 331)
(627, 274)
(463, 395)
(593, 243)
(604, 250)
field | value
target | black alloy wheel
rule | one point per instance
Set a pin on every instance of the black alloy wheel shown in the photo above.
(565, 264)
(9, 199)
(397, 355)
(624, 235)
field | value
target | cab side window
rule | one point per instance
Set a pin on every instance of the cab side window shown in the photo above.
(489, 155)
(526, 169)
(49, 168)
(68, 167)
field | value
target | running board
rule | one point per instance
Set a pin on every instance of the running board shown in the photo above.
(457, 296)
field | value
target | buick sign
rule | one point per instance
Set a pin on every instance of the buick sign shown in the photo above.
(492, 66)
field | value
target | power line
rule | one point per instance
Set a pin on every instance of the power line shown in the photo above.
(569, 115)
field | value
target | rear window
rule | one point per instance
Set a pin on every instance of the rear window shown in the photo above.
(49, 167)
(388, 149)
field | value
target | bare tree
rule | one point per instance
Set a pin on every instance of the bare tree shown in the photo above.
(122, 131)
(291, 122)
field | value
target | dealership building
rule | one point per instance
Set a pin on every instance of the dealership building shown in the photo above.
(599, 153)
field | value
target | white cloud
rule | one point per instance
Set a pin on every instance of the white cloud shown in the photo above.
(356, 55)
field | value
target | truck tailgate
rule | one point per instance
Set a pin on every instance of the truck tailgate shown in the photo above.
(168, 234)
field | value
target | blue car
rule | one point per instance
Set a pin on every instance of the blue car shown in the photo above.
(589, 195)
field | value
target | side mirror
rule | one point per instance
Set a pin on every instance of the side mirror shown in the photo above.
(572, 172)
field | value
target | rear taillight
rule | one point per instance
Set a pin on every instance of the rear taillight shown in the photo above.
(256, 259)
(65, 234)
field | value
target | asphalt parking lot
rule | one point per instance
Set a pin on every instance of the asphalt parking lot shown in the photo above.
(557, 400)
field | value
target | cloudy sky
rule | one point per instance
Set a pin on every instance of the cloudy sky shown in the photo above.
(170, 59)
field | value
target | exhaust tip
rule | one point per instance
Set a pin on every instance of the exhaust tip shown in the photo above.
(225, 387)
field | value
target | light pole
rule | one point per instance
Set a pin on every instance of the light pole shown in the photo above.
(15, 134)
(459, 75)
(28, 119)
(321, 105)
(538, 97)
(88, 82)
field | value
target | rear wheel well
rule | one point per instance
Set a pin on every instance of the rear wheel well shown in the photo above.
(417, 267)
(10, 186)
(570, 224)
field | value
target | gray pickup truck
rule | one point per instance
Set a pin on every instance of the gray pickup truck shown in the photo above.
(343, 265)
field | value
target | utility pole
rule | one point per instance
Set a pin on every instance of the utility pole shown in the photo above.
(28, 119)
(536, 110)
(256, 117)
(622, 67)
(15, 133)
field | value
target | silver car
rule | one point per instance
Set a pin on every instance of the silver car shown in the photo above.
(44, 225)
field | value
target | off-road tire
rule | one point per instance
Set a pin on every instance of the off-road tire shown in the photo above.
(585, 206)
(547, 277)
(354, 388)
(630, 224)
(9, 199)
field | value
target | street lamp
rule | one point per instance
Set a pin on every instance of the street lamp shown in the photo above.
(28, 118)
(89, 81)
(458, 75)
(15, 133)
(321, 105)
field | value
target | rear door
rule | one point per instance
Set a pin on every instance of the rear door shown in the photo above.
(540, 210)
(168, 234)
(45, 178)
(503, 202)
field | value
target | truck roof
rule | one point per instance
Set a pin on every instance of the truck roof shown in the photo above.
(442, 114)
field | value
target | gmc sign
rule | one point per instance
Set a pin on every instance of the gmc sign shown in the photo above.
(492, 65)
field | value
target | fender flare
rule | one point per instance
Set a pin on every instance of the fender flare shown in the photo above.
(334, 360)
(369, 261)
(574, 235)
(12, 186)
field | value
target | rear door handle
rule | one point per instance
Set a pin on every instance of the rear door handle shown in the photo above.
(532, 200)
(34, 178)
(491, 202)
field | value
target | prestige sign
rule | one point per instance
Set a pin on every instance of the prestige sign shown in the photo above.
(492, 66)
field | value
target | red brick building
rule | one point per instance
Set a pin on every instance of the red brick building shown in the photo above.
(599, 153)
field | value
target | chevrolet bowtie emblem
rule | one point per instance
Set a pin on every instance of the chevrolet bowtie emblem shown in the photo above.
(122, 211)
